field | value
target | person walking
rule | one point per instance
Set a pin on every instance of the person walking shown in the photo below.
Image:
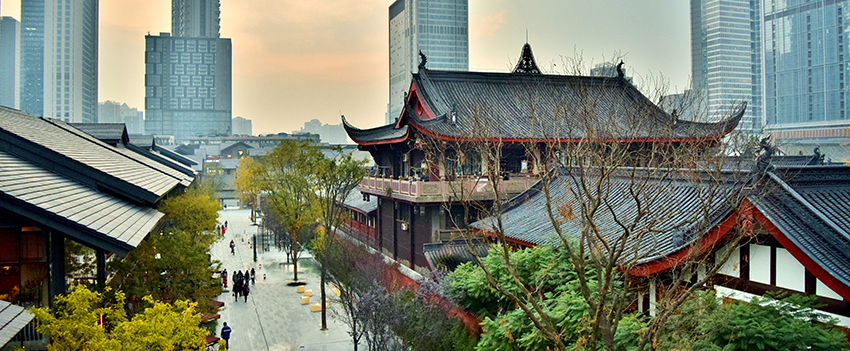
(245, 292)
(224, 277)
(225, 334)
(232, 247)
(253, 276)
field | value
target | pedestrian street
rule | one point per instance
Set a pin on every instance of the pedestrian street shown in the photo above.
(273, 318)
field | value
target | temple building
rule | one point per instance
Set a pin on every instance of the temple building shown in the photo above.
(416, 191)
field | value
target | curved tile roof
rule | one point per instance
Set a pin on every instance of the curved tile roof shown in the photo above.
(674, 220)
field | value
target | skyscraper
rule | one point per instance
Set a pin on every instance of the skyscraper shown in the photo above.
(195, 18)
(59, 59)
(10, 63)
(188, 75)
(438, 28)
(807, 52)
(726, 57)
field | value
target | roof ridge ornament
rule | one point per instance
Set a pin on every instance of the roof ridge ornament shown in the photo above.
(526, 62)
(422, 60)
(620, 73)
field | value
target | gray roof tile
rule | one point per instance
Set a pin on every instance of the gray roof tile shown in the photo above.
(13, 318)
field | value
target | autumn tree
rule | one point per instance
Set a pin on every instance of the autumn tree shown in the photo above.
(289, 175)
(176, 263)
(91, 321)
(248, 185)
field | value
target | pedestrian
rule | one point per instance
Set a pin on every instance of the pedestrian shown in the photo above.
(225, 224)
(264, 277)
(225, 334)
(224, 277)
(253, 275)
(245, 292)
(237, 289)
(232, 247)
(222, 230)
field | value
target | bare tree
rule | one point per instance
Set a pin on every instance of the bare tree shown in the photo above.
(609, 180)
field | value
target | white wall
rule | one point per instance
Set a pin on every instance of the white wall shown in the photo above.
(790, 273)
(760, 263)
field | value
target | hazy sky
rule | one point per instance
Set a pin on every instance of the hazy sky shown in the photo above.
(295, 60)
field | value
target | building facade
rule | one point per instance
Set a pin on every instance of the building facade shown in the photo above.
(242, 126)
(187, 86)
(195, 18)
(437, 28)
(806, 51)
(10, 62)
(116, 112)
(59, 46)
(726, 58)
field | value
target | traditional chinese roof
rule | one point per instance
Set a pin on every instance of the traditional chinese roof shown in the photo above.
(13, 318)
(450, 254)
(810, 209)
(673, 212)
(356, 202)
(60, 147)
(110, 133)
(526, 106)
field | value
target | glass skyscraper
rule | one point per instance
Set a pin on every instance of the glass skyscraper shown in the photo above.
(59, 45)
(438, 28)
(726, 58)
(806, 61)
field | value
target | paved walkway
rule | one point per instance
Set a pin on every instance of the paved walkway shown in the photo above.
(273, 318)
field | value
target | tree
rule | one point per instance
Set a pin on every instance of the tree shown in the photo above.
(88, 321)
(593, 163)
(289, 174)
(248, 185)
(337, 176)
(176, 264)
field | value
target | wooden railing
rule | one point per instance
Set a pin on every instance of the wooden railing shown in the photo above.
(470, 186)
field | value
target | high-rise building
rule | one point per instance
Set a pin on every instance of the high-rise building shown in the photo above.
(195, 18)
(187, 86)
(59, 45)
(807, 63)
(188, 75)
(116, 112)
(10, 63)
(726, 57)
(242, 126)
(437, 28)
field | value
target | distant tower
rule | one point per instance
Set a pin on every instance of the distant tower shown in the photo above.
(59, 45)
(726, 57)
(195, 18)
(188, 75)
(438, 28)
(10, 63)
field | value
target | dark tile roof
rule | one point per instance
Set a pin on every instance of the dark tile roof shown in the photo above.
(54, 144)
(176, 156)
(811, 207)
(835, 152)
(355, 201)
(142, 140)
(520, 107)
(676, 213)
(90, 216)
(448, 255)
(13, 318)
(110, 133)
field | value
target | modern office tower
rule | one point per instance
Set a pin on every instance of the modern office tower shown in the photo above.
(59, 43)
(242, 126)
(109, 112)
(726, 58)
(187, 86)
(195, 18)
(10, 63)
(807, 52)
(438, 28)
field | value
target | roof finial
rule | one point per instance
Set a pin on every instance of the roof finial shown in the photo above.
(526, 62)
(620, 73)
(422, 60)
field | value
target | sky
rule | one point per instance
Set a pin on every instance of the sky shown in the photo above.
(296, 60)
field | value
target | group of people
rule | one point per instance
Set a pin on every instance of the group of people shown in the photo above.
(240, 283)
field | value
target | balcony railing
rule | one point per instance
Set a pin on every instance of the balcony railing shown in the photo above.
(465, 188)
